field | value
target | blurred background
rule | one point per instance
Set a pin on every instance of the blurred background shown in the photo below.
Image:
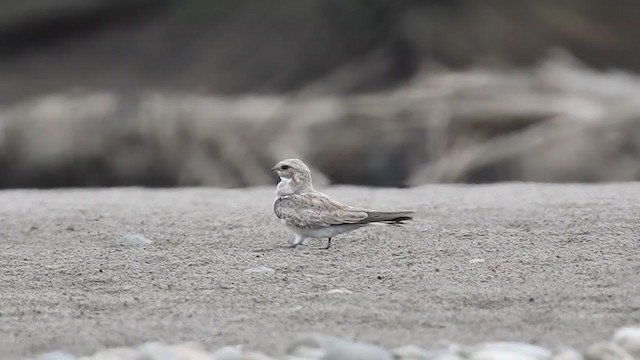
(165, 93)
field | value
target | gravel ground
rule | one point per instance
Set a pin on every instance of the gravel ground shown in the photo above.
(543, 264)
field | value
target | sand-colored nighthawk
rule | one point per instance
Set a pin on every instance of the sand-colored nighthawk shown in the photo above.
(311, 214)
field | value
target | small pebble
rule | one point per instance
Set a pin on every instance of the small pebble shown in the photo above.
(336, 349)
(606, 351)
(344, 350)
(57, 355)
(409, 352)
(186, 352)
(533, 352)
(339, 291)
(447, 357)
(119, 353)
(228, 353)
(256, 356)
(568, 354)
(260, 270)
(476, 261)
(157, 351)
(305, 352)
(629, 339)
(499, 354)
(134, 240)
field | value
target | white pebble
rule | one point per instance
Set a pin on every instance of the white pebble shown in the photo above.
(339, 291)
(260, 270)
(256, 356)
(528, 351)
(476, 261)
(157, 351)
(629, 339)
(228, 353)
(343, 350)
(134, 240)
(337, 349)
(186, 351)
(56, 355)
(305, 352)
(329, 348)
(499, 354)
(409, 352)
(447, 357)
(120, 353)
(607, 351)
(568, 354)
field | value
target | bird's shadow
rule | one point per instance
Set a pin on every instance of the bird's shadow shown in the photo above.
(276, 248)
(287, 248)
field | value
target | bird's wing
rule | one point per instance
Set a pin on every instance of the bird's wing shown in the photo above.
(315, 210)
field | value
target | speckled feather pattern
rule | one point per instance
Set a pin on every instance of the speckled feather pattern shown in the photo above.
(313, 210)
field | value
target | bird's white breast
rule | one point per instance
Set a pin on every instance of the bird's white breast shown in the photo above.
(284, 187)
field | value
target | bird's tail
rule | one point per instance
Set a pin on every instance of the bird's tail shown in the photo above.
(390, 218)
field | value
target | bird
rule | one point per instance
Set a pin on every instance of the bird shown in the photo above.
(309, 213)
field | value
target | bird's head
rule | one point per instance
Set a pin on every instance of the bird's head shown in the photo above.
(294, 172)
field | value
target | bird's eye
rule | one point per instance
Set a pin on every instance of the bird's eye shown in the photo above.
(285, 167)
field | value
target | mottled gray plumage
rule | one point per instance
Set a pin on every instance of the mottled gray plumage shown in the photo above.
(312, 214)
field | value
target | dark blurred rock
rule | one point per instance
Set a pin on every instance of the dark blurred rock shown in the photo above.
(202, 46)
(240, 46)
(31, 25)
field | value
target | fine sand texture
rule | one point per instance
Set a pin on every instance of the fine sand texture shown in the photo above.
(560, 266)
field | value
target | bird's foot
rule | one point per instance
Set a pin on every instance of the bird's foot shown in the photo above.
(328, 245)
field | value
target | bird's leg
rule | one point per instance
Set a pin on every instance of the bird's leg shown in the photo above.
(297, 240)
(328, 245)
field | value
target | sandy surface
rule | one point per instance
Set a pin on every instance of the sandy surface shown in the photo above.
(562, 266)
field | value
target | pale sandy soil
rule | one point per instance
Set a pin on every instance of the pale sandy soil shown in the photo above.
(562, 266)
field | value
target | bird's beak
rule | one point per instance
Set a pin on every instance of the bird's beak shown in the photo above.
(274, 169)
